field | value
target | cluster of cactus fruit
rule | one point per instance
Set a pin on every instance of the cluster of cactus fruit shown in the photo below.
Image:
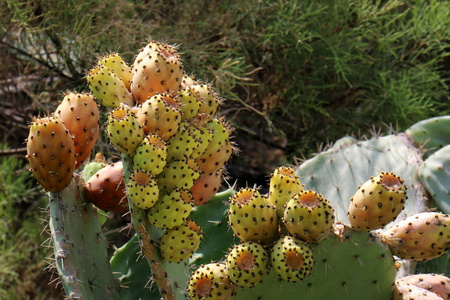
(334, 227)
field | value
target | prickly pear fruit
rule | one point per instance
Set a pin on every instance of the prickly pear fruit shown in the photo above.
(407, 291)
(107, 88)
(284, 184)
(220, 134)
(119, 67)
(190, 105)
(438, 284)
(142, 189)
(160, 115)
(80, 115)
(180, 173)
(151, 155)
(422, 236)
(247, 264)
(124, 130)
(208, 98)
(205, 187)
(93, 167)
(309, 216)
(211, 282)
(292, 259)
(180, 242)
(51, 153)
(377, 202)
(156, 69)
(202, 135)
(171, 209)
(182, 143)
(106, 189)
(217, 160)
(252, 217)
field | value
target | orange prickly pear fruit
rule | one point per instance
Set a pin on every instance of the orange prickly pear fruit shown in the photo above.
(205, 187)
(51, 153)
(80, 115)
(156, 69)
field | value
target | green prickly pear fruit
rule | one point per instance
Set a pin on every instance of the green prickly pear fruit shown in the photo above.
(107, 88)
(80, 115)
(142, 189)
(51, 153)
(201, 134)
(171, 209)
(407, 291)
(438, 284)
(160, 115)
(156, 69)
(181, 242)
(247, 264)
(208, 98)
(377, 202)
(182, 143)
(124, 130)
(211, 281)
(180, 173)
(119, 67)
(151, 155)
(422, 236)
(220, 134)
(205, 187)
(190, 105)
(93, 167)
(106, 189)
(284, 184)
(292, 259)
(309, 216)
(217, 160)
(252, 217)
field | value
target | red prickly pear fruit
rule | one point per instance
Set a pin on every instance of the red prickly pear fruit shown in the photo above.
(211, 281)
(309, 217)
(156, 69)
(377, 202)
(205, 187)
(208, 98)
(438, 284)
(79, 113)
(422, 236)
(178, 174)
(292, 259)
(107, 88)
(252, 217)
(160, 115)
(142, 189)
(151, 155)
(407, 291)
(171, 209)
(189, 104)
(106, 189)
(119, 67)
(217, 160)
(51, 153)
(247, 264)
(180, 242)
(284, 184)
(124, 130)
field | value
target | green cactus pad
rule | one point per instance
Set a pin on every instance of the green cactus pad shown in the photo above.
(433, 133)
(356, 267)
(435, 176)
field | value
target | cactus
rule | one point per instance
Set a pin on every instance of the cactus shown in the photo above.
(173, 147)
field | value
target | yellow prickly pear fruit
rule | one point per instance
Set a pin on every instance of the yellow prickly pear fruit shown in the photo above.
(211, 281)
(171, 210)
(208, 98)
(119, 67)
(142, 189)
(151, 155)
(124, 130)
(190, 105)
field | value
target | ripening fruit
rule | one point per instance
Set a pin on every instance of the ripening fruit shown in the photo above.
(220, 134)
(151, 155)
(211, 282)
(178, 174)
(171, 209)
(124, 130)
(189, 104)
(247, 264)
(422, 236)
(407, 291)
(118, 66)
(309, 216)
(216, 160)
(208, 98)
(438, 284)
(51, 153)
(80, 115)
(156, 69)
(142, 189)
(377, 202)
(292, 259)
(205, 187)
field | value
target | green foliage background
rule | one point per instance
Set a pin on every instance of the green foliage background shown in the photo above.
(297, 74)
